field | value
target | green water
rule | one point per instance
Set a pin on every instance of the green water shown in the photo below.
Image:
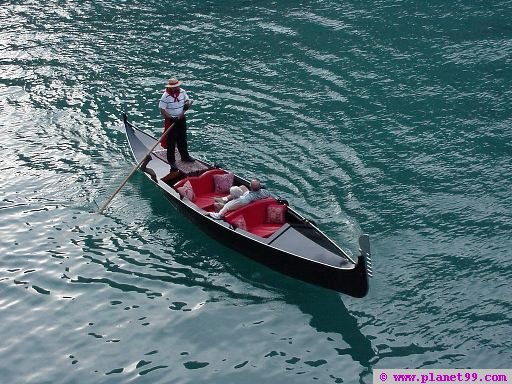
(389, 118)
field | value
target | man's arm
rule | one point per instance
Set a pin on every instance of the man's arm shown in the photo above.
(164, 113)
(187, 103)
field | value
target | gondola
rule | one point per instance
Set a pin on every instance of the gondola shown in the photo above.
(268, 231)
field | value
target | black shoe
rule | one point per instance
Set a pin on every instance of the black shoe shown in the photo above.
(174, 168)
(188, 159)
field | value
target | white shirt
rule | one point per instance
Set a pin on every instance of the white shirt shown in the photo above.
(172, 107)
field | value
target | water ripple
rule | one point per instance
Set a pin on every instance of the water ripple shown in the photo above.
(381, 117)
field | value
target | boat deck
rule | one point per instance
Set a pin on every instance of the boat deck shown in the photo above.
(187, 169)
(292, 240)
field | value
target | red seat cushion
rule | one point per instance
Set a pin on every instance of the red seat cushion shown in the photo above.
(264, 230)
(276, 213)
(187, 191)
(202, 183)
(203, 188)
(222, 183)
(255, 217)
(206, 200)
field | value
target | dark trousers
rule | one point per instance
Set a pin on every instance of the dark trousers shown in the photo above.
(177, 138)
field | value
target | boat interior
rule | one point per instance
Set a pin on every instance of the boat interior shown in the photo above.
(269, 220)
(261, 218)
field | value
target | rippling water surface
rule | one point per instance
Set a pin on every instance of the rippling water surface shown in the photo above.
(391, 118)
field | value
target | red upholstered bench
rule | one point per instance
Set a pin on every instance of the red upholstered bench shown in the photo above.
(203, 187)
(261, 217)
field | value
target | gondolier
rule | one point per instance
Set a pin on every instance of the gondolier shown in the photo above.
(173, 104)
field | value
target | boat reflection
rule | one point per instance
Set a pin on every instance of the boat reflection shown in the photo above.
(329, 315)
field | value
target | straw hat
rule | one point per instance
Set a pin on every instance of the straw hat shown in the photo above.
(173, 83)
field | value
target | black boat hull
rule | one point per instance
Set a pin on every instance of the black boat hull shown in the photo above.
(351, 280)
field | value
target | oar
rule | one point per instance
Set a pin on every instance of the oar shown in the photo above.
(137, 166)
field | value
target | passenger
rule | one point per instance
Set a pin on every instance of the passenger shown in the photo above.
(235, 192)
(238, 192)
(255, 193)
